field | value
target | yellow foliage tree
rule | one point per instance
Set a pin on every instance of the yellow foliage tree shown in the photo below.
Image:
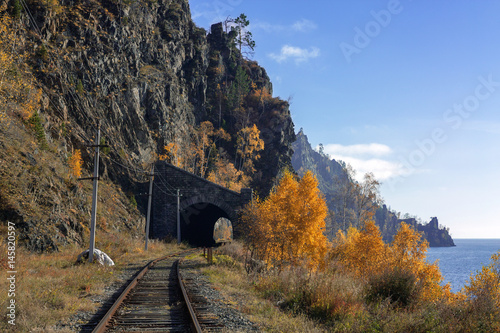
(204, 138)
(408, 250)
(194, 154)
(365, 254)
(225, 174)
(75, 163)
(261, 96)
(361, 251)
(172, 154)
(288, 227)
(248, 146)
(483, 288)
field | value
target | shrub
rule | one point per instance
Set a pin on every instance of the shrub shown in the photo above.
(79, 87)
(397, 285)
(104, 150)
(42, 52)
(36, 123)
(16, 8)
(132, 201)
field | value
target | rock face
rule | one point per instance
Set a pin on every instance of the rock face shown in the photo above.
(138, 67)
(436, 235)
(305, 158)
(149, 75)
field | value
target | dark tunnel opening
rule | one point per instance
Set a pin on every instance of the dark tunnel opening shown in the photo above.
(197, 224)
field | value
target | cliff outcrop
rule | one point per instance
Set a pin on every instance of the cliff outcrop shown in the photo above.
(149, 75)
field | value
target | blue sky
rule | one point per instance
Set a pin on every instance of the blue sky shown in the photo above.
(409, 90)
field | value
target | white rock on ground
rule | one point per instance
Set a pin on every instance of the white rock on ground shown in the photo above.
(99, 256)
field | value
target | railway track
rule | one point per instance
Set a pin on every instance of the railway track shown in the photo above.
(157, 300)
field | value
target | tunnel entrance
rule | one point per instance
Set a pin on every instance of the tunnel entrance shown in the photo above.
(197, 223)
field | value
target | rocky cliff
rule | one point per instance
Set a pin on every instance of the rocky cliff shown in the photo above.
(148, 74)
(305, 158)
(436, 235)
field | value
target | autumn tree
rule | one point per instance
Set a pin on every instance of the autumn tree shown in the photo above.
(361, 251)
(408, 250)
(483, 288)
(75, 163)
(172, 155)
(225, 174)
(195, 153)
(205, 138)
(261, 96)
(402, 262)
(288, 227)
(248, 146)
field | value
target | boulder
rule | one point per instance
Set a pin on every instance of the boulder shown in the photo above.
(99, 256)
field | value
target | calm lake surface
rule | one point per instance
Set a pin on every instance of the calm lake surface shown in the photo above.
(457, 263)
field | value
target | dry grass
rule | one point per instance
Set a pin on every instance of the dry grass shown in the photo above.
(230, 278)
(296, 300)
(50, 287)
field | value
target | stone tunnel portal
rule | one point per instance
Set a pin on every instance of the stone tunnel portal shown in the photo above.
(198, 221)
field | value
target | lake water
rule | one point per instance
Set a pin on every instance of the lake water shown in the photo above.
(457, 263)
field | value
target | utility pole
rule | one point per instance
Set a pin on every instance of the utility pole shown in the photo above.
(178, 217)
(94, 193)
(149, 205)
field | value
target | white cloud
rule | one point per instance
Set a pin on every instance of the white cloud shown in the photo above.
(304, 25)
(296, 53)
(376, 149)
(366, 158)
(381, 169)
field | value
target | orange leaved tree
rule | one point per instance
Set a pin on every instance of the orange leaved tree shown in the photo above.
(248, 145)
(361, 251)
(483, 289)
(388, 267)
(408, 250)
(288, 227)
(75, 163)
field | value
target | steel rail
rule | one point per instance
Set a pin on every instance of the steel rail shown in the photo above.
(194, 319)
(105, 321)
